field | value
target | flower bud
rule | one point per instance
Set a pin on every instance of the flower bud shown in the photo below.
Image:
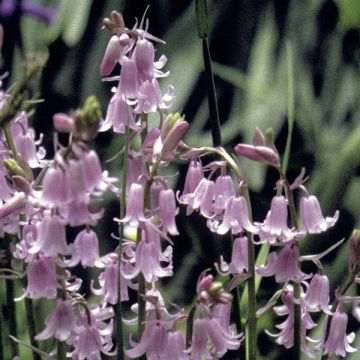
(354, 252)
(21, 183)
(169, 123)
(118, 19)
(14, 168)
(262, 154)
(63, 123)
(14, 204)
(175, 135)
(87, 119)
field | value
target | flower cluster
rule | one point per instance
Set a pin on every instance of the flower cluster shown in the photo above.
(41, 198)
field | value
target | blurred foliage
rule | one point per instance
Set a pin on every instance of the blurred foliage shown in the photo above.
(247, 41)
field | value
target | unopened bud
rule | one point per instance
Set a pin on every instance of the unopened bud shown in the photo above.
(175, 136)
(14, 204)
(269, 137)
(169, 123)
(14, 168)
(259, 138)
(63, 123)
(109, 25)
(118, 19)
(263, 154)
(87, 120)
(354, 252)
(21, 183)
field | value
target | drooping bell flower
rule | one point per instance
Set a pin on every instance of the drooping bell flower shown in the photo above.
(239, 259)
(168, 211)
(60, 323)
(41, 278)
(285, 267)
(312, 217)
(338, 342)
(317, 294)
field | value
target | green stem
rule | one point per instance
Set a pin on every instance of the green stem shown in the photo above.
(290, 105)
(60, 351)
(31, 325)
(189, 325)
(11, 311)
(213, 107)
(297, 286)
(118, 310)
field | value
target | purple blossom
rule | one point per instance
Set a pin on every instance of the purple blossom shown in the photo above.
(312, 217)
(239, 259)
(60, 323)
(338, 342)
(41, 278)
(285, 266)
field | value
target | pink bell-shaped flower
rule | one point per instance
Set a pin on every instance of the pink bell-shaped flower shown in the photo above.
(285, 266)
(312, 217)
(60, 323)
(338, 342)
(168, 211)
(41, 278)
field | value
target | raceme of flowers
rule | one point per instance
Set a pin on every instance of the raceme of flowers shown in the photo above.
(41, 197)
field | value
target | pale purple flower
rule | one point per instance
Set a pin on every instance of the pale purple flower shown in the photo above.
(51, 237)
(286, 335)
(137, 172)
(119, 115)
(337, 342)
(224, 190)
(144, 55)
(202, 198)
(92, 334)
(153, 343)
(285, 267)
(129, 84)
(193, 177)
(86, 246)
(60, 323)
(149, 257)
(317, 294)
(109, 281)
(239, 259)
(150, 98)
(41, 278)
(275, 229)
(312, 217)
(168, 211)
(221, 339)
(79, 213)
(235, 218)
(92, 170)
(55, 188)
(135, 205)
(112, 56)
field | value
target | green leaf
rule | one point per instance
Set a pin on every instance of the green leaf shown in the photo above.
(71, 21)
(77, 14)
(349, 13)
(201, 18)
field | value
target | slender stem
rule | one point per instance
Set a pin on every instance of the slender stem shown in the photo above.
(119, 329)
(189, 325)
(11, 311)
(348, 282)
(213, 107)
(290, 105)
(60, 351)
(297, 286)
(31, 325)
